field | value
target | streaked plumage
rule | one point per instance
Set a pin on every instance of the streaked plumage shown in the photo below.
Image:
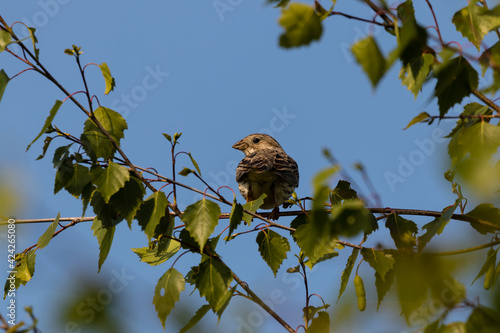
(266, 168)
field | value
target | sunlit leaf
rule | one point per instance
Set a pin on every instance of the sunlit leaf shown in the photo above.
(48, 121)
(403, 231)
(474, 22)
(151, 211)
(212, 280)
(200, 313)
(418, 119)
(320, 324)
(4, 79)
(108, 79)
(153, 258)
(302, 25)
(104, 237)
(167, 292)
(110, 179)
(368, 55)
(273, 248)
(44, 239)
(347, 271)
(201, 219)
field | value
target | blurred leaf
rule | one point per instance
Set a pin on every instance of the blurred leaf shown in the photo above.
(212, 280)
(153, 258)
(48, 121)
(474, 22)
(351, 217)
(24, 271)
(302, 25)
(485, 212)
(151, 211)
(4, 79)
(456, 79)
(320, 324)
(108, 79)
(489, 264)
(381, 262)
(483, 320)
(44, 239)
(224, 302)
(235, 217)
(104, 237)
(383, 285)
(5, 39)
(200, 313)
(95, 143)
(110, 179)
(321, 178)
(200, 219)
(273, 248)
(167, 292)
(312, 311)
(437, 225)
(418, 119)
(403, 231)
(405, 11)
(369, 56)
(414, 74)
(252, 206)
(347, 271)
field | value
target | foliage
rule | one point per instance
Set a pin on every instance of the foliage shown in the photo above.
(100, 174)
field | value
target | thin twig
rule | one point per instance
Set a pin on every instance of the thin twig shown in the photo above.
(471, 249)
(359, 19)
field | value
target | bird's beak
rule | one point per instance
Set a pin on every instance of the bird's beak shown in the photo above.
(240, 145)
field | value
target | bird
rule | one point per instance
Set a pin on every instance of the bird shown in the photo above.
(266, 168)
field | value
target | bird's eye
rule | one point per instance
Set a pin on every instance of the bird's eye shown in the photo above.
(256, 140)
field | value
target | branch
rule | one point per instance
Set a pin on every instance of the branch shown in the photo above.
(486, 100)
(381, 12)
(359, 19)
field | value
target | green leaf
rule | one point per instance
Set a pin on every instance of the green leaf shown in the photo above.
(224, 302)
(152, 210)
(351, 217)
(485, 212)
(212, 280)
(414, 74)
(341, 192)
(106, 213)
(46, 143)
(252, 206)
(24, 271)
(302, 25)
(167, 136)
(475, 22)
(195, 163)
(104, 237)
(483, 320)
(383, 285)
(73, 177)
(129, 198)
(108, 79)
(381, 262)
(422, 117)
(490, 263)
(44, 239)
(456, 79)
(235, 217)
(200, 219)
(437, 225)
(5, 39)
(480, 140)
(273, 248)
(312, 311)
(185, 171)
(369, 56)
(35, 41)
(471, 109)
(48, 122)
(152, 257)
(95, 143)
(320, 324)
(167, 292)
(110, 179)
(200, 313)
(347, 271)
(321, 179)
(402, 231)
(60, 155)
(4, 79)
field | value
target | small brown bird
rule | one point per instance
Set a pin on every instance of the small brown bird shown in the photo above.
(266, 168)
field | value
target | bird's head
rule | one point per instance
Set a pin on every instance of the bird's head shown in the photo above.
(250, 144)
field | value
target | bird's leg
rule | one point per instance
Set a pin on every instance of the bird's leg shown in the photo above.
(274, 213)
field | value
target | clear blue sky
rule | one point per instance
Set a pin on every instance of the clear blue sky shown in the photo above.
(183, 67)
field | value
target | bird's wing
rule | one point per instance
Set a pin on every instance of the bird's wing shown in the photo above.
(258, 162)
(285, 167)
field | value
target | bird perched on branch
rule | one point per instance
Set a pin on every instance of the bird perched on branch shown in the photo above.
(266, 168)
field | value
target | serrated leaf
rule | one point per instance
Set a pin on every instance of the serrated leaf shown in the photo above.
(200, 219)
(480, 140)
(106, 213)
(200, 313)
(273, 248)
(151, 211)
(320, 324)
(60, 155)
(108, 79)
(252, 206)
(4, 80)
(383, 286)
(224, 302)
(402, 231)
(86, 196)
(381, 262)
(302, 25)
(368, 55)
(471, 109)
(212, 280)
(235, 217)
(485, 212)
(73, 178)
(195, 164)
(152, 257)
(414, 74)
(104, 237)
(347, 271)
(418, 119)
(129, 198)
(95, 143)
(44, 239)
(437, 225)
(24, 271)
(48, 121)
(167, 293)
(110, 179)
(491, 260)
(475, 22)
(456, 79)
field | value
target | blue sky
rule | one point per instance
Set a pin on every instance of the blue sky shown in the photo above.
(215, 77)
